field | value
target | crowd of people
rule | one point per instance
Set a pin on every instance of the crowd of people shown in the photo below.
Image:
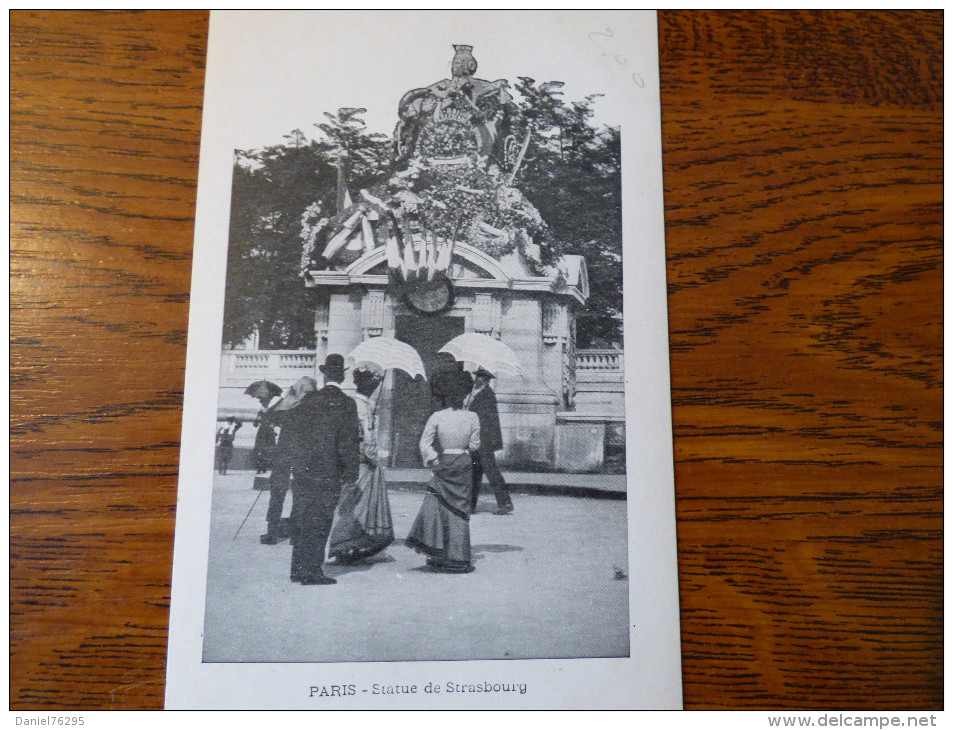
(321, 444)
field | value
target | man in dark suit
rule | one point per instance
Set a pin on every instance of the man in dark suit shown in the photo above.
(325, 457)
(482, 401)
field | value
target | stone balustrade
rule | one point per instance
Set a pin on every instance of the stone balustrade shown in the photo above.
(280, 366)
(603, 361)
(285, 364)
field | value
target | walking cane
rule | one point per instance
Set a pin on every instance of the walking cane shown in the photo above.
(247, 516)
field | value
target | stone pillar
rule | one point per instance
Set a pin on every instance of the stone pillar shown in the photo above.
(487, 315)
(569, 362)
(321, 323)
(385, 398)
(559, 340)
(372, 313)
(528, 404)
(554, 321)
(345, 330)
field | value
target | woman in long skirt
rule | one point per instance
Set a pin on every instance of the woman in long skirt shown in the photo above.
(442, 528)
(362, 520)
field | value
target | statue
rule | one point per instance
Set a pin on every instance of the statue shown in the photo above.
(458, 145)
(458, 116)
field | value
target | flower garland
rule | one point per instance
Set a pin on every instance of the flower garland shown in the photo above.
(450, 187)
(448, 138)
(311, 227)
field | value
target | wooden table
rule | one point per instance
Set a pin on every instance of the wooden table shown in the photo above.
(803, 177)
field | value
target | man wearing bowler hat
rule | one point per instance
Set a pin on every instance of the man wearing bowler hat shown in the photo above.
(482, 401)
(325, 458)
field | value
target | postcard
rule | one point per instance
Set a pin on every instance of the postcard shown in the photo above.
(426, 451)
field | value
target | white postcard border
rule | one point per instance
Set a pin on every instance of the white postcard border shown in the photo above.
(650, 677)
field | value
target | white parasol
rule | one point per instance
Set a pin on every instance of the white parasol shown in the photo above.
(485, 352)
(387, 353)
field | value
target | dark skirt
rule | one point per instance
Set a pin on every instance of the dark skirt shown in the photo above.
(362, 520)
(442, 528)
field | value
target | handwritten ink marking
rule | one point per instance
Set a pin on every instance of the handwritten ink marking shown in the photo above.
(607, 34)
(594, 37)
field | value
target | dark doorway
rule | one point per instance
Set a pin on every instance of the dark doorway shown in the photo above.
(412, 403)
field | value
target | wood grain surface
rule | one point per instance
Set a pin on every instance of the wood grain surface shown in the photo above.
(803, 177)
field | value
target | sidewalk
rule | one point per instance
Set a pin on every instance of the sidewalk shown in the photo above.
(550, 582)
(607, 486)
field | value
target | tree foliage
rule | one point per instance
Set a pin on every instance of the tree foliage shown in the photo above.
(572, 174)
(271, 189)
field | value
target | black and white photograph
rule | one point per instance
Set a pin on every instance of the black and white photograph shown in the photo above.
(417, 445)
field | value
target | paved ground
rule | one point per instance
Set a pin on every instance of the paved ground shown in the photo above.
(549, 583)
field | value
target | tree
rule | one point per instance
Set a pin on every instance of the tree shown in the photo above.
(572, 175)
(272, 188)
(366, 155)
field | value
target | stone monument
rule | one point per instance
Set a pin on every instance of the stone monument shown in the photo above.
(445, 244)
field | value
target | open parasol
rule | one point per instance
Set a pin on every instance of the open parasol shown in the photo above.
(263, 389)
(388, 353)
(485, 352)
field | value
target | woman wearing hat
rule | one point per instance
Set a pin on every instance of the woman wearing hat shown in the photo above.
(442, 528)
(362, 521)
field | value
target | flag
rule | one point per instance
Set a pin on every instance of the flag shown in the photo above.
(344, 197)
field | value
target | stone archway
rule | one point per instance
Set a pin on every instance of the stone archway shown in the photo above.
(469, 262)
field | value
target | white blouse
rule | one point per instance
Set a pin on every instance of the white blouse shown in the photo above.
(456, 431)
